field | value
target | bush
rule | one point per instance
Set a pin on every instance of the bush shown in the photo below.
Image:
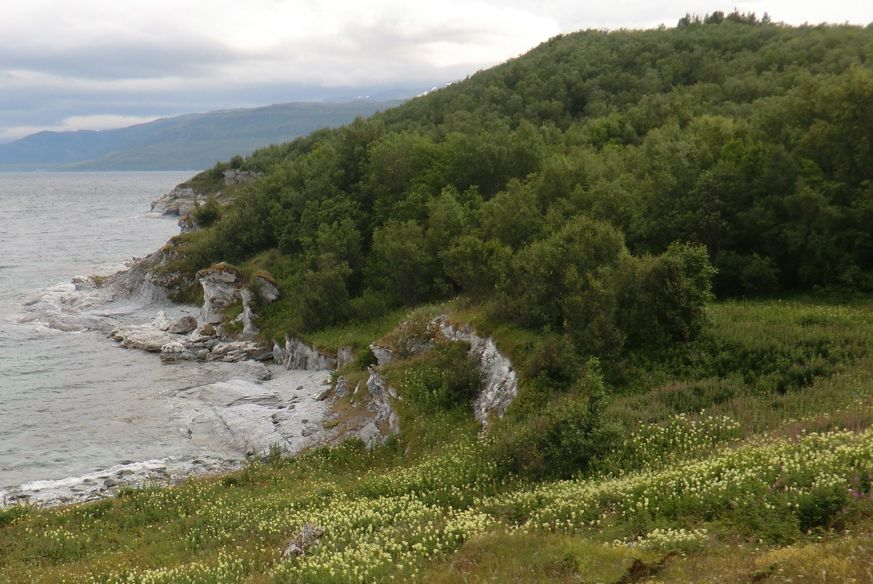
(476, 266)
(322, 296)
(562, 438)
(821, 507)
(365, 358)
(553, 364)
(10, 514)
(400, 261)
(666, 298)
(442, 379)
(208, 213)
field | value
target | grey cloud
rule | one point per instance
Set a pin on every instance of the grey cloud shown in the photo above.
(119, 60)
(162, 63)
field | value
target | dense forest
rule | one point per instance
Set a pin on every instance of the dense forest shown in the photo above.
(570, 185)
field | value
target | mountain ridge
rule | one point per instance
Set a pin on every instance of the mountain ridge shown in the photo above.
(183, 142)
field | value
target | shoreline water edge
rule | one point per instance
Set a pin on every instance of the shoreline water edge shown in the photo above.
(236, 396)
(245, 405)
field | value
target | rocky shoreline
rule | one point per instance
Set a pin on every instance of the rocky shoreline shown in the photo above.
(263, 396)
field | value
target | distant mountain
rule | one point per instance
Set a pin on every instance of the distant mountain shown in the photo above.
(187, 142)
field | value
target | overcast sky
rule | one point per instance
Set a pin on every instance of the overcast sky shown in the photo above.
(96, 64)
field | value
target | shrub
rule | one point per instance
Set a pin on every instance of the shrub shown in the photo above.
(477, 266)
(10, 514)
(208, 213)
(552, 363)
(441, 379)
(365, 358)
(665, 300)
(821, 506)
(565, 436)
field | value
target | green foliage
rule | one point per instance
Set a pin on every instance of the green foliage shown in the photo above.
(763, 476)
(587, 197)
(400, 261)
(582, 279)
(443, 378)
(477, 267)
(668, 295)
(365, 358)
(11, 513)
(208, 213)
(561, 437)
(741, 136)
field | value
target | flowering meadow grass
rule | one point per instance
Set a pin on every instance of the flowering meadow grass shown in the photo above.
(686, 497)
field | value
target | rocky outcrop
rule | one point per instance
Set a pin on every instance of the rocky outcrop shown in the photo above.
(383, 355)
(183, 325)
(342, 387)
(187, 223)
(180, 201)
(383, 420)
(149, 337)
(221, 286)
(249, 416)
(267, 290)
(247, 317)
(234, 176)
(303, 541)
(203, 344)
(344, 356)
(148, 280)
(499, 377)
(299, 355)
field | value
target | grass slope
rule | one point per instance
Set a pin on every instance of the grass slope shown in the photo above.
(751, 463)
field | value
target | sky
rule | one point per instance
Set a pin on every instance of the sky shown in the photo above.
(100, 64)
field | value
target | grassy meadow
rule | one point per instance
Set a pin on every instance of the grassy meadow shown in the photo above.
(745, 456)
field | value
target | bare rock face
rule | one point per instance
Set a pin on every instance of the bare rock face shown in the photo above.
(383, 355)
(342, 388)
(267, 289)
(380, 405)
(193, 346)
(344, 356)
(146, 337)
(187, 223)
(161, 322)
(183, 325)
(147, 280)
(303, 541)
(180, 201)
(501, 381)
(299, 355)
(247, 317)
(221, 285)
(234, 176)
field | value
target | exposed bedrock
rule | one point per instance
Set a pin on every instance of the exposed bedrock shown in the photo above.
(297, 354)
(221, 288)
(499, 378)
(201, 344)
(179, 201)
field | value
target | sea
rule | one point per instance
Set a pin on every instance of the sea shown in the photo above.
(72, 402)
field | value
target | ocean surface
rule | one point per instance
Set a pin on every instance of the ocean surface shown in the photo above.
(71, 401)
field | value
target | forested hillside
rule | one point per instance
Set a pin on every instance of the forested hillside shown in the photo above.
(749, 138)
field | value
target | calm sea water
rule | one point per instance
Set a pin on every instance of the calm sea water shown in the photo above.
(74, 402)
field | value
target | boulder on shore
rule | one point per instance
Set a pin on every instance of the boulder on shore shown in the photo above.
(183, 325)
